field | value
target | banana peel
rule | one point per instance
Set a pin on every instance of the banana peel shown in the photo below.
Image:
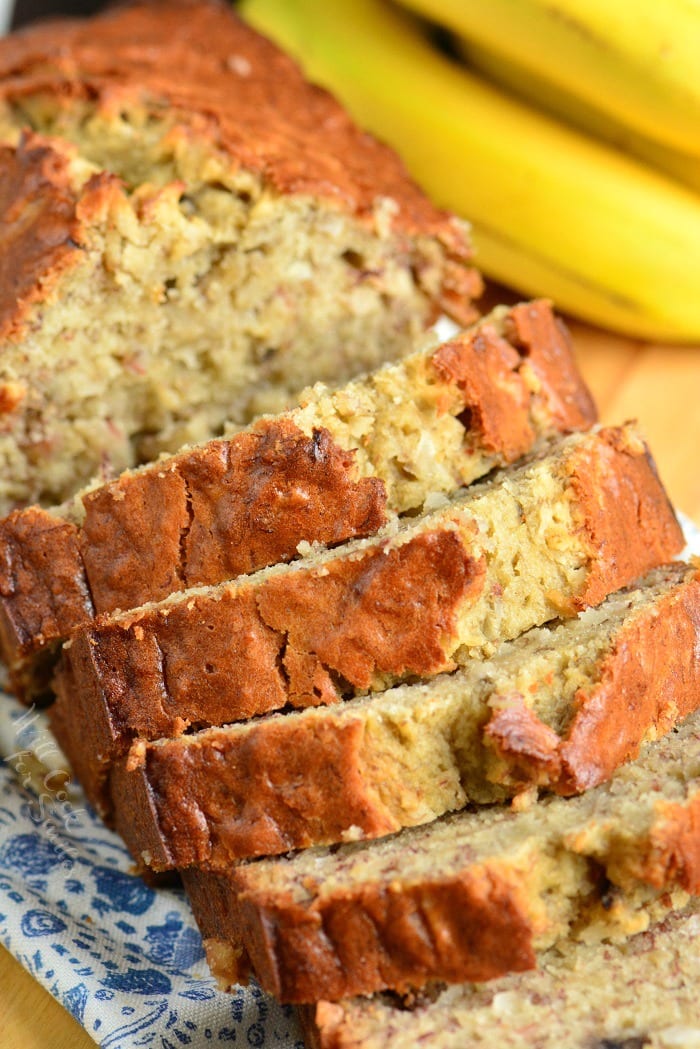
(554, 213)
(537, 91)
(636, 61)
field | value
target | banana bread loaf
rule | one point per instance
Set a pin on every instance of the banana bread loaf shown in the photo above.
(537, 541)
(637, 994)
(559, 708)
(191, 233)
(471, 896)
(324, 472)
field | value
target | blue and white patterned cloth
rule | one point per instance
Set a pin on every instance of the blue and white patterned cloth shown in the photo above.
(124, 959)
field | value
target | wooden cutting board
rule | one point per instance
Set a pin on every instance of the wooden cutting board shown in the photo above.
(659, 386)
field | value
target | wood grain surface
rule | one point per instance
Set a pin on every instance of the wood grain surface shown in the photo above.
(659, 386)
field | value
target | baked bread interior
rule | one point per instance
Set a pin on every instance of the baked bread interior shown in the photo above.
(558, 708)
(634, 994)
(337, 466)
(540, 540)
(471, 896)
(191, 233)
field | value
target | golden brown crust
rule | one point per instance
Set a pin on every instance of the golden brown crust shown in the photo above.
(234, 506)
(630, 995)
(117, 547)
(205, 515)
(152, 680)
(527, 747)
(327, 930)
(223, 510)
(542, 338)
(623, 512)
(507, 380)
(43, 220)
(314, 633)
(647, 682)
(499, 413)
(257, 648)
(41, 232)
(473, 925)
(39, 558)
(322, 1025)
(371, 614)
(214, 907)
(673, 855)
(292, 134)
(223, 800)
(86, 762)
(287, 784)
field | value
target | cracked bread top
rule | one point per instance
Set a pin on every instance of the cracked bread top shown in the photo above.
(328, 470)
(536, 542)
(238, 92)
(558, 708)
(187, 252)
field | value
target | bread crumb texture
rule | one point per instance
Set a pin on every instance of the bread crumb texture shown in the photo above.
(584, 694)
(334, 468)
(634, 994)
(164, 239)
(427, 595)
(475, 894)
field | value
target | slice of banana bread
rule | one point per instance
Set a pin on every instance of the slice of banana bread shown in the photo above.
(471, 896)
(536, 542)
(637, 994)
(191, 233)
(559, 708)
(324, 472)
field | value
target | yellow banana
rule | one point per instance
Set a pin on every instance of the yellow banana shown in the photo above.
(502, 257)
(561, 104)
(558, 214)
(637, 61)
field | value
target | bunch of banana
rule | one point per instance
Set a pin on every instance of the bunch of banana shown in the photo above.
(558, 102)
(556, 210)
